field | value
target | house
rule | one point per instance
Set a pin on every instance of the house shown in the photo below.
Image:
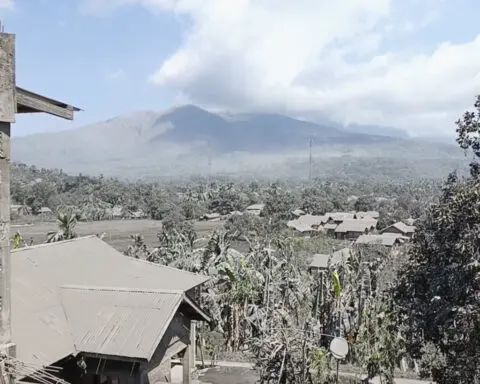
(305, 223)
(45, 211)
(322, 261)
(353, 228)
(367, 214)
(338, 217)
(401, 229)
(81, 301)
(211, 217)
(386, 239)
(255, 209)
(137, 215)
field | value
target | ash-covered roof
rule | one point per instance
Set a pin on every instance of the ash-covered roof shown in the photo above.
(41, 326)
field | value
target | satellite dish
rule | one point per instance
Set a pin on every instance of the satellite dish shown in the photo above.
(339, 348)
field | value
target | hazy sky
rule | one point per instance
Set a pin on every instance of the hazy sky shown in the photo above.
(413, 64)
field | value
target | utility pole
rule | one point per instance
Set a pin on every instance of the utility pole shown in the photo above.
(209, 164)
(310, 143)
(7, 116)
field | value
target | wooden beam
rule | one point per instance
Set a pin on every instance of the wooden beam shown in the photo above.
(5, 268)
(7, 78)
(187, 370)
(38, 103)
(7, 116)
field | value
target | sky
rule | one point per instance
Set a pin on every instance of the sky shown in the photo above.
(411, 64)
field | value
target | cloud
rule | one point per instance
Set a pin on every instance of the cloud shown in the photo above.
(6, 4)
(340, 59)
(115, 75)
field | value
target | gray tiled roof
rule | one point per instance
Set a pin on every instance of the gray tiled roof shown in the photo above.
(39, 326)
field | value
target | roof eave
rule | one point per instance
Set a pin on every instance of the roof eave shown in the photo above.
(200, 314)
(30, 102)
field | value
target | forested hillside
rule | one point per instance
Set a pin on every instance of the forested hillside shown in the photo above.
(92, 196)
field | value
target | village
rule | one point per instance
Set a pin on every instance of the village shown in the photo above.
(111, 282)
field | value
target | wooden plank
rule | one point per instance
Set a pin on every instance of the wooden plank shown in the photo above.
(7, 78)
(41, 104)
(187, 371)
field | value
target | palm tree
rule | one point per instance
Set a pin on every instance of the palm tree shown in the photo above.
(66, 228)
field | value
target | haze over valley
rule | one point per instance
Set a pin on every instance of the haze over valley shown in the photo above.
(183, 141)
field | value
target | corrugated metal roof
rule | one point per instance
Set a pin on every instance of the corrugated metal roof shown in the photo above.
(404, 228)
(339, 216)
(124, 323)
(356, 225)
(306, 222)
(365, 214)
(387, 240)
(321, 261)
(39, 326)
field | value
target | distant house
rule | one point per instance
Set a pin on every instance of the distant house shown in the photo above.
(351, 229)
(307, 223)
(137, 215)
(401, 229)
(45, 212)
(211, 217)
(338, 217)
(125, 323)
(298, 212)
(386, 239)
(322, 261)
(255, 209)
(367, 214)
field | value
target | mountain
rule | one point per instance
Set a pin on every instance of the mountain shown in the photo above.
(180, 141)
(377, 130)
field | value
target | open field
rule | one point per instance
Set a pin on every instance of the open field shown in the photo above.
(117, 232)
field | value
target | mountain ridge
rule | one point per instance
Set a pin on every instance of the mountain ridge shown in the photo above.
(179, 140)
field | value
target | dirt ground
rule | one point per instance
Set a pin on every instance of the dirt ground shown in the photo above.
(117, 232)
(227, 375)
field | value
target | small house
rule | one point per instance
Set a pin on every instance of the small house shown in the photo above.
(211, 217)
(309, 223)
(322, 261)
(338, 217)
(401, 229)
(367, 214)
(351, 229)
(386, 239)
(101, 316)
